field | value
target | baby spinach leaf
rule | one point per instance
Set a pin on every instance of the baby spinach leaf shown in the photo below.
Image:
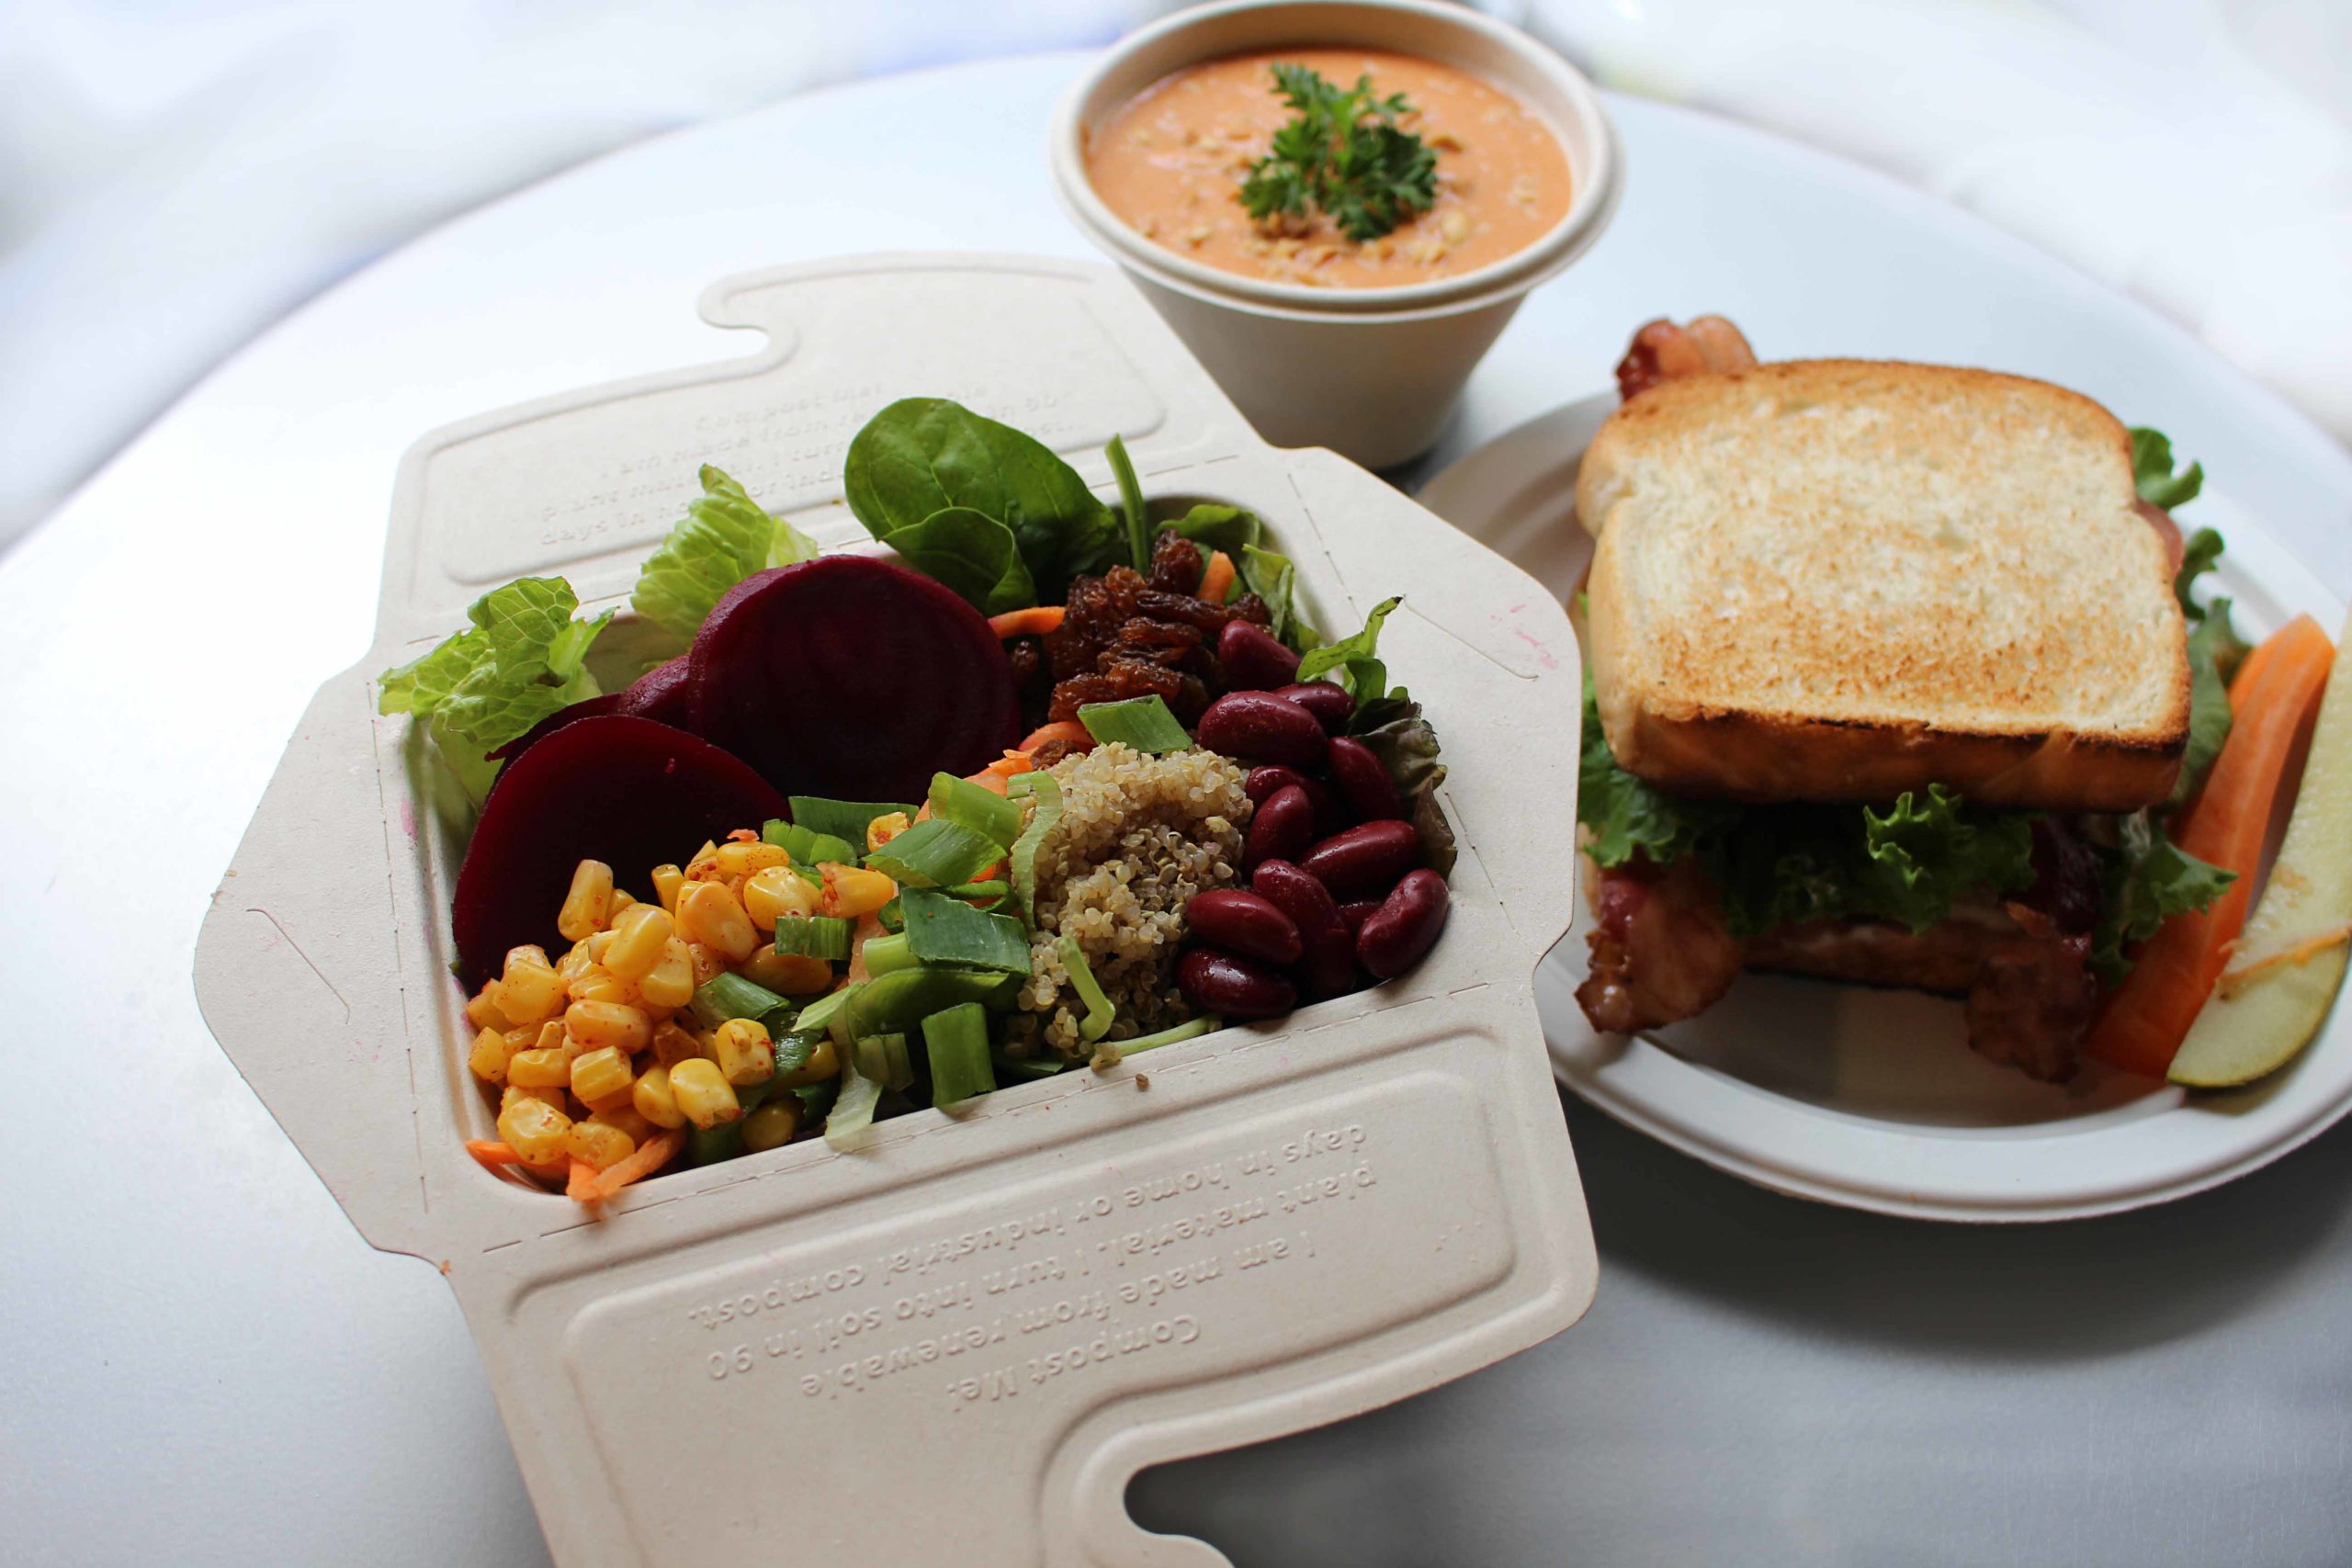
(970, 552)
(923, 456)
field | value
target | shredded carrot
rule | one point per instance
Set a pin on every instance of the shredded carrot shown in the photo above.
(581, 1187)
(492, 1154)
(649, 1157)
(1216, 582)
(1067, 730)
(2144, 1022)
(1036, 621)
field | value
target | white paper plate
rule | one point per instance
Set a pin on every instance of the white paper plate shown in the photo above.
(1872, 1099)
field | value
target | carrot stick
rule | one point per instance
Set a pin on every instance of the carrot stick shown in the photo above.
(1036, 621)
(1067, 730)
(582, 1188)
(2144, 1022)
(1216, 582)
(649, 1157)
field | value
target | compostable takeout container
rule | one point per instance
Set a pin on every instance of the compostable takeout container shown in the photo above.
(962, 1338)
(1371, 373)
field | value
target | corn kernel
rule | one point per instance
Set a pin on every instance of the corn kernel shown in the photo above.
(522, 1037)
(655, 1100)
(705, 864)
(598, 1143)
(672, 1044)
(514, 1094)
(823, 1063)
(771, 1125)
(598, 1074)
(707, 963)
(786, 974)
(598, 944)
(637, 937)
(746, 858)
(778, 891)
(671, 982)
(483, 1011)
(573, 963)
(598, 984)
(539, 1069)
(588, 904)
(490, 1056)
(742, 1048)
(625, 1117)
(884, 829)
(599, 1024)
(852, 890)
(703, 1093)
(667, 880)
(530, 991)
(533, 1129)
(549, 1036)
(622, 899)
(709, 913)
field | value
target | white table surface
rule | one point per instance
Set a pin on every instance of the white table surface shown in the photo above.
(200, 1362)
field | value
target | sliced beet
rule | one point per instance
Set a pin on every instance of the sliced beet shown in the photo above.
(850, 677)
(664, 694)
(626, 790)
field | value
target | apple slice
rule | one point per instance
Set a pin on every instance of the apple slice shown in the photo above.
(2287, 967)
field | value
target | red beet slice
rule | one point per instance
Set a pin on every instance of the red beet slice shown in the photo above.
(850, 677)
(626, 790)
(664, 694)
(572, 713)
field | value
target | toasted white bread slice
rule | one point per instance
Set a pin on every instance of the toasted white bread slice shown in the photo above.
(1839, 580)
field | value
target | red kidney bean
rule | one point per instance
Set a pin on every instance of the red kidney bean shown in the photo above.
(1402, 929)
(1330, 811)
(1363, 778)
(1262, 725)
(1330, 947)
(1367, 858)
(1332, 706)
(1238, 988)
(1355, 913)
(1281, 827)
(1244, 923)
(1253, 659)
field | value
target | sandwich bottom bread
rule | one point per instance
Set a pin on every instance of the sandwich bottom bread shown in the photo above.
(1895, 677)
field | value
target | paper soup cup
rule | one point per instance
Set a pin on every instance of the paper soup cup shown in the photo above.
(1371, 373)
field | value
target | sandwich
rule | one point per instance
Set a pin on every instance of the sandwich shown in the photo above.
(1895, 675)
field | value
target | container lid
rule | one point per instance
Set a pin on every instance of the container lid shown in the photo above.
(968, 1334)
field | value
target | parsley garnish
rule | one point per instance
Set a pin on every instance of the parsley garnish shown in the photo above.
(1344, 154)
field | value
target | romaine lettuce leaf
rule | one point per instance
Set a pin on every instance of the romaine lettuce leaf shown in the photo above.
(2152, 471)
(2149, 880)
(725, 538)
(1352, 664)
(524, 658)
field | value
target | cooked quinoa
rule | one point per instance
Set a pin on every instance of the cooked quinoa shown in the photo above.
(1139, 835)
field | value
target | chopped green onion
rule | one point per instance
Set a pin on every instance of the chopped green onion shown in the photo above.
(815, 1098)
(935, 853)
(808, 847)
(814, 936)
(1143, 723)
(892, 917)
(1043, 819)
(822, 1012)
(1020, 786)
(885, 1057)
(846, 819)
(957, 1040)
(724, 1140)
(944, 930)
(1099, 1010)
(724, 996)
(1207, 1023)
(1044, 1065)
(886, 953)
(792, 1048)
(992, 815)
(981, 892)
(900, 1000)
(853, 1109)
(781, 1021)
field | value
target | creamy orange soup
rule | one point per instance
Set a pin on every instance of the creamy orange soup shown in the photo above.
(1171, 162)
